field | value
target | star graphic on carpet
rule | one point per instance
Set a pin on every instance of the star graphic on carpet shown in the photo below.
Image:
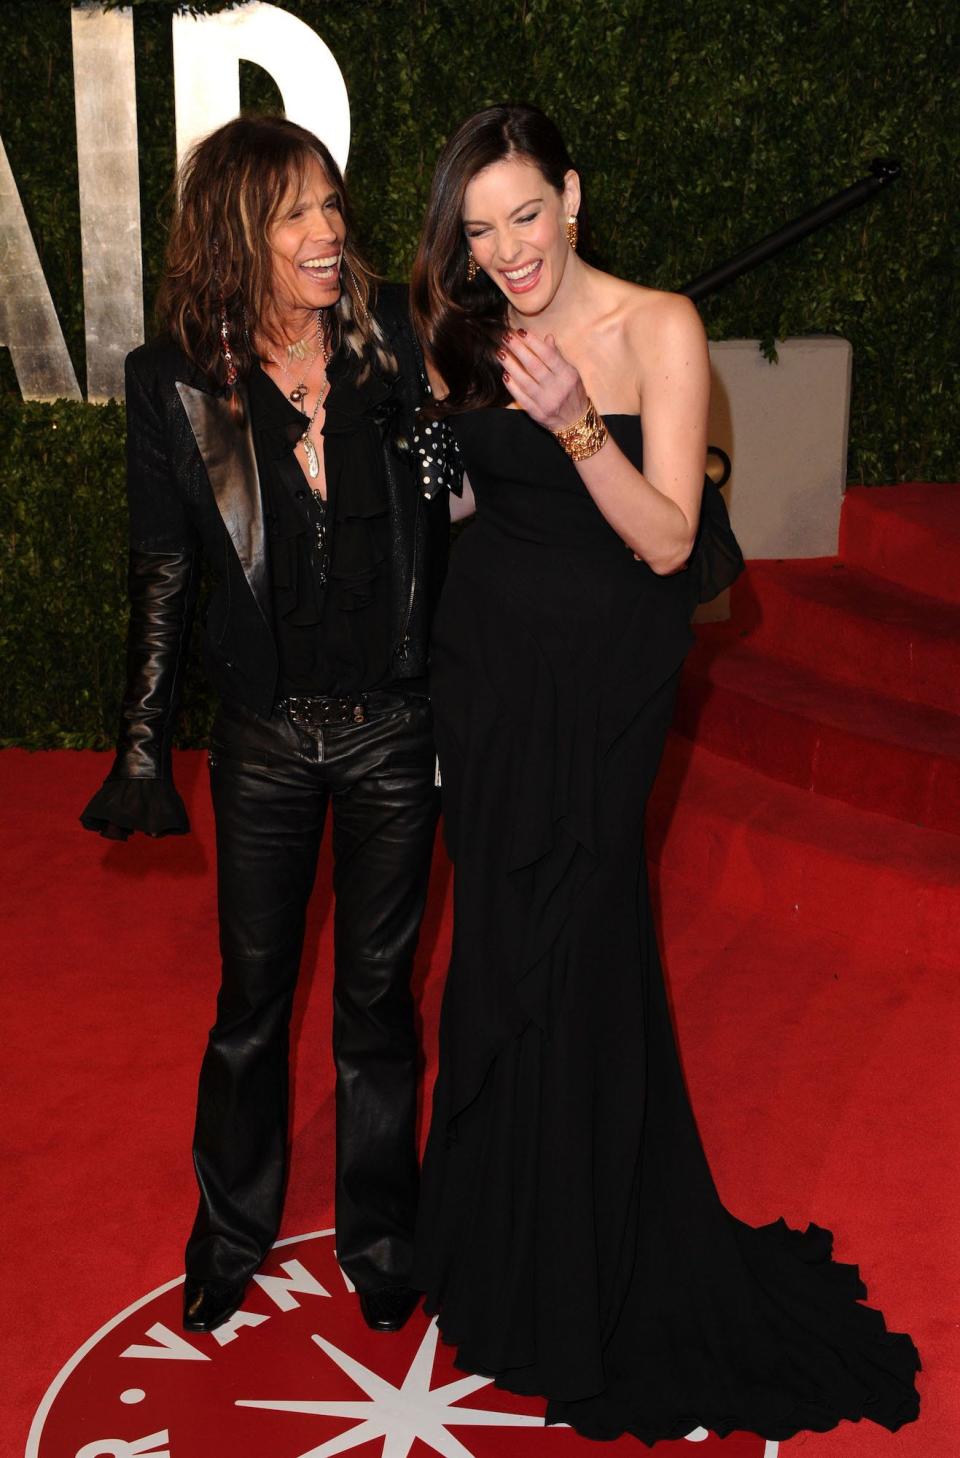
(400, 1415)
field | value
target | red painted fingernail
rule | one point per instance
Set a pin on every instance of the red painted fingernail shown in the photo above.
(505, 375)
(522, 333)
(501, 354)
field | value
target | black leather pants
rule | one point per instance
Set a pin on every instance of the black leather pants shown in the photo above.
(271, 785)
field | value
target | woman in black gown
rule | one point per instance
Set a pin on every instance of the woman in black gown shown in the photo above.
(570, 1236)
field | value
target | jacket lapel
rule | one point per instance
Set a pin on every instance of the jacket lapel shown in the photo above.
(231, 464)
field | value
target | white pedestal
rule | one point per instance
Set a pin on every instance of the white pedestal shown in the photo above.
(784, 427)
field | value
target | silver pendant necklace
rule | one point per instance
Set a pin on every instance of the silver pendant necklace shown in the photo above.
(309, 449)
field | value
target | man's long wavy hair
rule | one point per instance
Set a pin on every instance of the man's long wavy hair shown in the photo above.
(462, 324)
(230, 190)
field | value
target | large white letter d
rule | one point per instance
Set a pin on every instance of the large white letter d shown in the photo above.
(207, 51)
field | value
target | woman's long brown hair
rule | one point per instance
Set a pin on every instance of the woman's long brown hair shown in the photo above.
(230, 190)
(461, 324)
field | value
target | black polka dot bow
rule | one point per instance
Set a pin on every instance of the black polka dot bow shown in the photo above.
(437, 457)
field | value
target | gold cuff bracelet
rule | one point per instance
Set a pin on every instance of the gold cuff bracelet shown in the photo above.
(585, 436)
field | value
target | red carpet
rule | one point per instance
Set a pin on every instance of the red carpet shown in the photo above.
(807, 866)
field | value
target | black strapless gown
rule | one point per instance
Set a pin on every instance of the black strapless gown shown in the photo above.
(570, 1237)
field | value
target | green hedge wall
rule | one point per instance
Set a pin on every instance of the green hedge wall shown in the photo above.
(697, 127)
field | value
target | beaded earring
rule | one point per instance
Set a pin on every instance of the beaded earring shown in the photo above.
(229, 363)
(472, 269)
(573, 229)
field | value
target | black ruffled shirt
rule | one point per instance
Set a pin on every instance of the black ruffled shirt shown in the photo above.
(332, 627)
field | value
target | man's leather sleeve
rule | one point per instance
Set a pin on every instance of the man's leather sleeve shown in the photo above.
(164, 571)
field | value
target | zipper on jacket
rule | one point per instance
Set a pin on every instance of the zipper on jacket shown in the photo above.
(404, 645)
(410, 337)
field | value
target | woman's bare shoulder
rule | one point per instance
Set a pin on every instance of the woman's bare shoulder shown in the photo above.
(644, 315)
(658, 313)
(664, 332)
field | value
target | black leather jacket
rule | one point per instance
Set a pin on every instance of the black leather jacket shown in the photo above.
(193, 489)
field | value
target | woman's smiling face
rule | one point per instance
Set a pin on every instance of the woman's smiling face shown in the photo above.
(515, 226)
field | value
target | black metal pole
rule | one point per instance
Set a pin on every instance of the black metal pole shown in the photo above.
(883, 170)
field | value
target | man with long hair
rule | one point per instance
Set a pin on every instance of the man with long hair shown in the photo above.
(271, 431)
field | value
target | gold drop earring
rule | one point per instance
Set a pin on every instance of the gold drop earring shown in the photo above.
(472, 269)
(573, 229)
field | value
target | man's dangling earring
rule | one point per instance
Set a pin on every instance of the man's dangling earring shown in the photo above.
(573, 229)
(229, 363)
(472, 269)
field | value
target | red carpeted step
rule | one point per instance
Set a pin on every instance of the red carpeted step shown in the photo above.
(788, 721)
(853, 626)
(752, 843)
(908, 533)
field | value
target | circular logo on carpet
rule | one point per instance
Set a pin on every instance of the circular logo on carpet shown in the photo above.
(296, 1374)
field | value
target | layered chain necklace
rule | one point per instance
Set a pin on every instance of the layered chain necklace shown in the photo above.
(300, 350)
